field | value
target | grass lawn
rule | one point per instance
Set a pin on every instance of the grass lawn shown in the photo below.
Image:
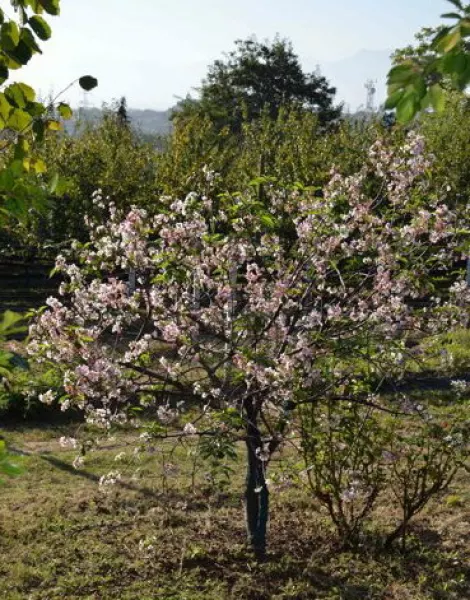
(159, 536)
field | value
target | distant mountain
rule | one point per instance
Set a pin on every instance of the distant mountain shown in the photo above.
(151, 121)
(148, 122)
(350, 75)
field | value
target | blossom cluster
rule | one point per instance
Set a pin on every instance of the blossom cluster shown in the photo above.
(233, 300)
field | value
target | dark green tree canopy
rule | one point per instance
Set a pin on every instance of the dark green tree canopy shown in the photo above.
(257, 77)
(122, 114)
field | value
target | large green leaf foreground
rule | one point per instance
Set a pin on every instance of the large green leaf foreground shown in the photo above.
(418, 82)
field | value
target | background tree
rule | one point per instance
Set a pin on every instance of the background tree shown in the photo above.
(122, 112)
(258, 76)
(293, 149)
(109, 156)
(447, 136)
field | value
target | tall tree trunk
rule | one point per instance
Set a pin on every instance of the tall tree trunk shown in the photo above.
(256, 492)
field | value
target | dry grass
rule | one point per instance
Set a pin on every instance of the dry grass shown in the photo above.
(61, 537)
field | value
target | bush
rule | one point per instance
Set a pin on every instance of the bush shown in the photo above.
(355, 457)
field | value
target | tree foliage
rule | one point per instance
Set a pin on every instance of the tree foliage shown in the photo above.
(417, 82)
(259, 76)
(293, 150)
(108, 156)
(447, 136)
(23, 120)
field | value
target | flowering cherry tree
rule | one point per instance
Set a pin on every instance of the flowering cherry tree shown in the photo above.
(249, 311)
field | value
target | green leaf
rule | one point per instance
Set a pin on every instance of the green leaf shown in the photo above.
(36, 6)
(39, 166)
(28, 38)
(10, 323)
(5, 110)
(54, 183)
(394, 99)
(52, 7)
(28, 92)
(65, 111)
(40, 27)
(7, 181)
(18, 168)
(457, 4)
(267, 220)
(449, 41)
(4, 74)
(19, 120)
(9, 35)
(402, 74)
(465, 27)
(39, 129)
(419, 86)
(54, 125)
(21, 55)
(451, 15)
(407, 107)
(437, 97)
(21, 149)
(5, 360)
(454, 63)
(11, 63)
(440, 35)
(463, 79)
(19, 94)
(87, 82)
(15, 96)
(10, 469)
(35, 109)
(63, 186)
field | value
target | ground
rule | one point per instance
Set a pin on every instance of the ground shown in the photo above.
(176, 535)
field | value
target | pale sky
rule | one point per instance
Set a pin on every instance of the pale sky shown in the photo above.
(153, 51)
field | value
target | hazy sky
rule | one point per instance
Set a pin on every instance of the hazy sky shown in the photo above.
(153, 51)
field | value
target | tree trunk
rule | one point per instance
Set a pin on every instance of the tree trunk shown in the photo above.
(256, 492)
(400, 531)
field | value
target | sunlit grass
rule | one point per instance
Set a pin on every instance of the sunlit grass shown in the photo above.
(179, 536)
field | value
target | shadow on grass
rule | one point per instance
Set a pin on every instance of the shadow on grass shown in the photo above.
(422, 567)
(71, 470)
(304, 561)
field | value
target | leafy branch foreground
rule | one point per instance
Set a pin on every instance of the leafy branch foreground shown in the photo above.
(24, 122)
